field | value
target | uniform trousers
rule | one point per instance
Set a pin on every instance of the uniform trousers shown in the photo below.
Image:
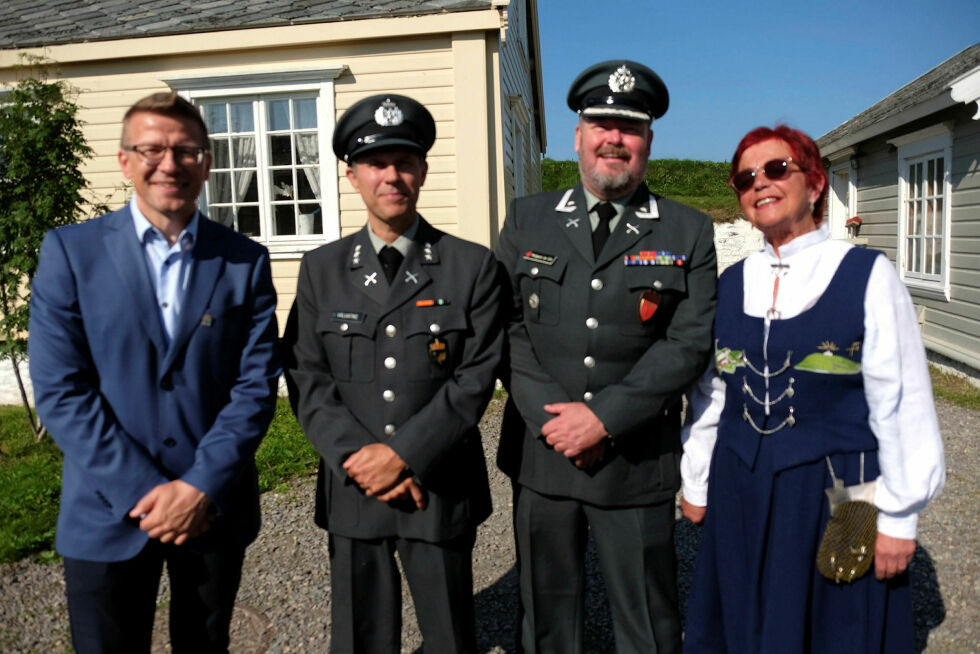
(112, 605)
(636, 555)
(366, 615)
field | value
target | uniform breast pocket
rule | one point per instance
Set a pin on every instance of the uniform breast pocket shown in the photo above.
(434, 339)
(541, 290)
(654, 292)
(350, 348)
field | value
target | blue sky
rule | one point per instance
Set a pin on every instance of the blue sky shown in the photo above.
(731, 66)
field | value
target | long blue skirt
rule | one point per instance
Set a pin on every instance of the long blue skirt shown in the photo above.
(756, 587)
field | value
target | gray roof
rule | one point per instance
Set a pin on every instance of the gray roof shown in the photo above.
(912, 101)
(28, 23)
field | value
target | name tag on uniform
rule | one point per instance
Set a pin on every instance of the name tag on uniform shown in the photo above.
(347, 316)
(537, 257)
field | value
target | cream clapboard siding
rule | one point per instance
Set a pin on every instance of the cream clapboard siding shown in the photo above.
(454, 73)
(951, 327)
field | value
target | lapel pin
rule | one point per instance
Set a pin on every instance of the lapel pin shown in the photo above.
(371, 279)
(207, 320)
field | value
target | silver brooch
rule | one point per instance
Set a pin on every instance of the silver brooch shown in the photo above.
(622, 80)
(388, 114)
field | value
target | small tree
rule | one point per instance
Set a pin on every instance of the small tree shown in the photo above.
(41, 151)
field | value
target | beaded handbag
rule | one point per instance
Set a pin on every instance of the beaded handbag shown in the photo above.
(848, 545)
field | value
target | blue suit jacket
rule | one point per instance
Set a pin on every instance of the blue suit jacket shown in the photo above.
(128, 411)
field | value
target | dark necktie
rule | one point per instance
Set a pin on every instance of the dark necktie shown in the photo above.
(390, 258)
(605, 211)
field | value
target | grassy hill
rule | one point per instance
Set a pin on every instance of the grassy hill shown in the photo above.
(699, 184)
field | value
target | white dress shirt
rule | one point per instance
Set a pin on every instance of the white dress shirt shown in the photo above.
(169, 265)
(896, 377)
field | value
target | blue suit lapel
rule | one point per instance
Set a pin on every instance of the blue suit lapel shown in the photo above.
(124, 251)
(206, 266)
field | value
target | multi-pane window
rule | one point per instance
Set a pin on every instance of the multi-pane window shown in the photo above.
(924, 228)
(265, 176)
(924, 161)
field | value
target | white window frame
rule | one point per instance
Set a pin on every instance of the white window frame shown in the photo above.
(924, 144)
(317, 81)
(839, 162)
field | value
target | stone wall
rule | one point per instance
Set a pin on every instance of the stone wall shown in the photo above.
(734, 241)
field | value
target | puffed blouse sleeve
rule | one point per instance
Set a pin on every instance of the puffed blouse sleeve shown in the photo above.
(902, 411)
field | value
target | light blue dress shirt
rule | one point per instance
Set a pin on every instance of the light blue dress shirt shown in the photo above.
(169, 265)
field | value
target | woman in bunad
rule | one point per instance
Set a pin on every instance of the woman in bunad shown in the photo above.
(819, 373)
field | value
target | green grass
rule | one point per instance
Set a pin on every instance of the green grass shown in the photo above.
(699, 184)
(30, 482)
(30, 478)
(954, 389)
(284, 453)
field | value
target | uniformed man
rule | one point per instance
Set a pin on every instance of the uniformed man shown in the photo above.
(392, 346)
(613, 297)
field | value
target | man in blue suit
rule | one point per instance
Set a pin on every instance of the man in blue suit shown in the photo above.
(152, 351)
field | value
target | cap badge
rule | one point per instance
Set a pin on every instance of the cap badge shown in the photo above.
(622, 80)
(388, 114)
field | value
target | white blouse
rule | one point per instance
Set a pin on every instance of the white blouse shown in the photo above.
(896, 377)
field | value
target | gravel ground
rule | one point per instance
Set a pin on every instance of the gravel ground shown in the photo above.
(284, 602)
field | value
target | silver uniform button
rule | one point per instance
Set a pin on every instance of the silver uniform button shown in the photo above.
(390, 362)
(389, 430)
(535, 270)
(435, 328)
(587, 396)
(344, 326)
(390, 330)
(658, 284)
(597, 284)
(388, 395)
(533, 301)
(589, 362)
(591, 323)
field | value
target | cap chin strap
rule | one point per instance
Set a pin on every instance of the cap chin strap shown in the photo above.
(616, 112)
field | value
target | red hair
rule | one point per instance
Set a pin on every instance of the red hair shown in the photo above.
(805, 153)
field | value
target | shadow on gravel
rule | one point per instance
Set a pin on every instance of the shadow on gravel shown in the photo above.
(928, 608)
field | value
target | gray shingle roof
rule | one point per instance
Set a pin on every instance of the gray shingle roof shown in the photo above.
(27, 23)
(926, 87)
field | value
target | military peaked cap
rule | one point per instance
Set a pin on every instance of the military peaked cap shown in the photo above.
(619, 89)
(383, 121)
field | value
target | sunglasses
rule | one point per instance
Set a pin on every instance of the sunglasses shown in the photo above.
(775, 170)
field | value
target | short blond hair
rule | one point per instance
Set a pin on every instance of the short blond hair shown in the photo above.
(166, 103)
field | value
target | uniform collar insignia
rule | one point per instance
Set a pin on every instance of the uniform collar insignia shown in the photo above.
(355, 257)
(430, 255)
(566, 204)
(648, 211)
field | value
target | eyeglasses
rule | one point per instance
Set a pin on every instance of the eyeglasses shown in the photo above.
(186, 155)
(775, 170)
